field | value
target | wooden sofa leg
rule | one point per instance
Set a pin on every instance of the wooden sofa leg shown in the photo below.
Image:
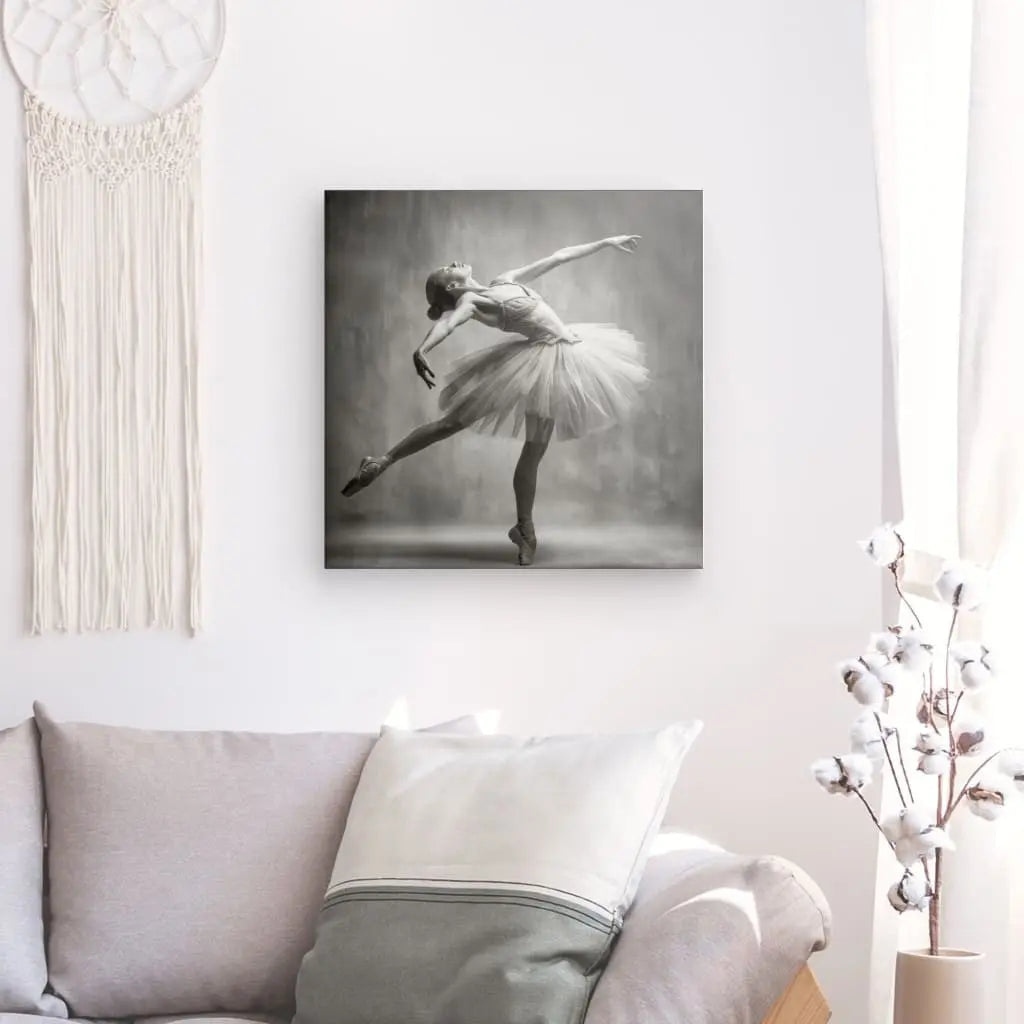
(801, 1003)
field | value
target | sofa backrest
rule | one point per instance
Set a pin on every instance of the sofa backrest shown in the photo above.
(187, 869)
(22, 950)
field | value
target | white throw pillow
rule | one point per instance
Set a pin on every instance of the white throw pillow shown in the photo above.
(489, 874)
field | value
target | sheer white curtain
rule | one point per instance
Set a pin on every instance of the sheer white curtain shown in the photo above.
(947, 80)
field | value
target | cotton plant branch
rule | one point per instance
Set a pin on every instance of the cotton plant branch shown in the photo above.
(974, 775)
(950, 715)
(894, 569)
(874, 817)
(928, 690)
(918, 836)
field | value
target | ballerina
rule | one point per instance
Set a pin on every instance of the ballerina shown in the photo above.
(554, 380)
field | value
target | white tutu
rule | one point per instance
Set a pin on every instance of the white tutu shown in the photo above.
(528, 388)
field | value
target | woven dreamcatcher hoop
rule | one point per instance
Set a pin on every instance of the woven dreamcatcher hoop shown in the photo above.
(114, 217)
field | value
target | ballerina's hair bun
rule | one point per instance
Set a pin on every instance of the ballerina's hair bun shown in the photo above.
(441, 300)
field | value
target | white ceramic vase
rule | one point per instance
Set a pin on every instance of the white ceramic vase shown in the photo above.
(944, 989)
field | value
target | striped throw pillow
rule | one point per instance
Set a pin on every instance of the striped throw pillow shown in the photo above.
(484, 879)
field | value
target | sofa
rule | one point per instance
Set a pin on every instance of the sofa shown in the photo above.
(171, 876)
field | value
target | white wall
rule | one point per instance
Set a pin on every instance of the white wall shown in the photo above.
(763, 105)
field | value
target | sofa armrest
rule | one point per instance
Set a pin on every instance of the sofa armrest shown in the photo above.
(712, 938)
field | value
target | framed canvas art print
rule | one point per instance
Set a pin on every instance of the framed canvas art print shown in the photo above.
(513, 379)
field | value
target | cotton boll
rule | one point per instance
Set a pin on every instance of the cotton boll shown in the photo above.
(862, 683)
(947, 586)
(911, 892)
(892, 676)
(1011, 764)
(987, 800)
(907, 850)
(914, 650)
(869, 691)
(858, 769)
(963, 586)
(985, 810)
(828, 773)
(974, 675)
(874, 661)
(967, 650)
(842, 774)
(892, 827)
(911, 846)
(870, 679)
(908, 822)
(914, 820)
(884, 644)
(930, 742)
(976, 664)
(884, 546)
(973, 591)
(850, 671)
(897, 900)
(969, 737)
(985, 807)
(933, 764)
(867, 733)
(934, 753)
(934, 838)
(869, 746)
(913, 836)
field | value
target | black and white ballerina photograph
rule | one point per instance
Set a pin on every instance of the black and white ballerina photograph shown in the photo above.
(513, 379)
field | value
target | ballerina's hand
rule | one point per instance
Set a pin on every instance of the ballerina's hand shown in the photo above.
(423, 370)
(626, 243)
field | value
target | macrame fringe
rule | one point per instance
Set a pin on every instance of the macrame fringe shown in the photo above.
(114, 227)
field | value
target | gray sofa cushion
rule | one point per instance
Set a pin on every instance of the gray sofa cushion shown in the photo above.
(22, 950)
(187, 868)
(712, 938)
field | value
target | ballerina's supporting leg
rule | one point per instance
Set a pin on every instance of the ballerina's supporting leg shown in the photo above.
(524, 484)
(415, 441)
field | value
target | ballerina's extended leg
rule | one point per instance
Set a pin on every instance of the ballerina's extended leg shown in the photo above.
(422, 437)
(524, 483)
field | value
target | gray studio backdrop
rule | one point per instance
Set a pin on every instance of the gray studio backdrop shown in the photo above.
(379, 248)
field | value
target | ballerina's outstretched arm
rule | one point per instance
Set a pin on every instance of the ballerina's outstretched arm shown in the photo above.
(624, 243)
(449, 321)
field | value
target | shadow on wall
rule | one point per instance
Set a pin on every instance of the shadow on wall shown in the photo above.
(380, 247)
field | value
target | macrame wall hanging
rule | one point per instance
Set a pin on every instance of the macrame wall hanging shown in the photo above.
(114, 218)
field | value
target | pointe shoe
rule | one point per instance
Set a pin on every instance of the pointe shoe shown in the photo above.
(527, 546)
(369, 469)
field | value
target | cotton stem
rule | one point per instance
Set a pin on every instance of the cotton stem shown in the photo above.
(888, 757)
(874, 817)
(934, 908)
(903, 765)
(951, 711)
